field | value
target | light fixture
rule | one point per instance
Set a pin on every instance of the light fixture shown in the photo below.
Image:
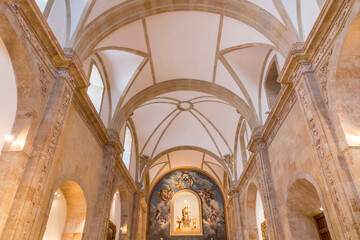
(56, 193)
(321, 209)
(9, 138)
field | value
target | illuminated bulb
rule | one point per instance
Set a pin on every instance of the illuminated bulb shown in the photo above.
(9, 138)
(56, 193)
(321, 209)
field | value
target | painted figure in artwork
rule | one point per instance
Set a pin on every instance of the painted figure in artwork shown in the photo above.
(180, 184)
(213, 214)
(186, 219)
(165, 194)
(191, 183)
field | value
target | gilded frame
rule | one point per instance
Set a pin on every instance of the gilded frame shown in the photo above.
(174, 233)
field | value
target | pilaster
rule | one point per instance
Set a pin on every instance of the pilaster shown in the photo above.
(265, 178)
(336, 174)
(239, 226)
(136, 214)
(101, 212)
(26, 205)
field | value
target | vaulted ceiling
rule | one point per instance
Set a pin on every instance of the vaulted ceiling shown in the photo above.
(184, 74)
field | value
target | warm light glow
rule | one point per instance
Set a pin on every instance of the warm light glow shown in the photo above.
(9, 138)
(56, 193)
(321, 209)
(21, 143)
(353, 140)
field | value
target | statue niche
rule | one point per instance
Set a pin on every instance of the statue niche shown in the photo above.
(186, 216)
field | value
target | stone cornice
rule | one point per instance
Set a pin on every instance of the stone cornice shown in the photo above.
(247, 173)
(126, 175)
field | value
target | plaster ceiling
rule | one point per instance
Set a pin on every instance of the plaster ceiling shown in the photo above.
(225, 43)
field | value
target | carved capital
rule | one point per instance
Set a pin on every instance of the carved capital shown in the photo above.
(144, 160)
(229, 162)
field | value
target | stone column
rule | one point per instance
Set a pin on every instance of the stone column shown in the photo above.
(136, 214)
(239, 227)
(25, 209)
(270, 204)
(100, 216)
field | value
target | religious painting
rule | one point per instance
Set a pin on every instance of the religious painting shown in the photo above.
(186, 204)
(111, 231)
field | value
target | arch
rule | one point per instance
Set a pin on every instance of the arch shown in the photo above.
(272, 87)
(253, 206)
(196, 202)
(147, 94)
(205, 151)
(124, 208)
(8, 95)
(344, 84)
(69, 197)
(303, 203)
(23, 125)
(29, 91)
(115, 18)
(119, 210)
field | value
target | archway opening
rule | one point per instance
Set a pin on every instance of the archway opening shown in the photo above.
(8, 95)
(345, 92)
(304, 208)
(67, 214)
(256, 226)
(115, 213)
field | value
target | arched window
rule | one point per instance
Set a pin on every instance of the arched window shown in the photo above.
(127, 147)
(96, 88)
(272, 87)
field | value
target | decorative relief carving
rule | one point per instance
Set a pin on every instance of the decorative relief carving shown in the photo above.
(44, 159)
(324, 156)
(44, 80)
(144, 160)
(59, 121)
(334, 31)
(67, 76)
(15, 7)
(321, 76)
(229, 162)
(304, 68)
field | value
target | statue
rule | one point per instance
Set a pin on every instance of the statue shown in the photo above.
(186, 217)
(178, 224)
(195, 228)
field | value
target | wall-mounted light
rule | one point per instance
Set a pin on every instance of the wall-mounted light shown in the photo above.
(9, 138)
